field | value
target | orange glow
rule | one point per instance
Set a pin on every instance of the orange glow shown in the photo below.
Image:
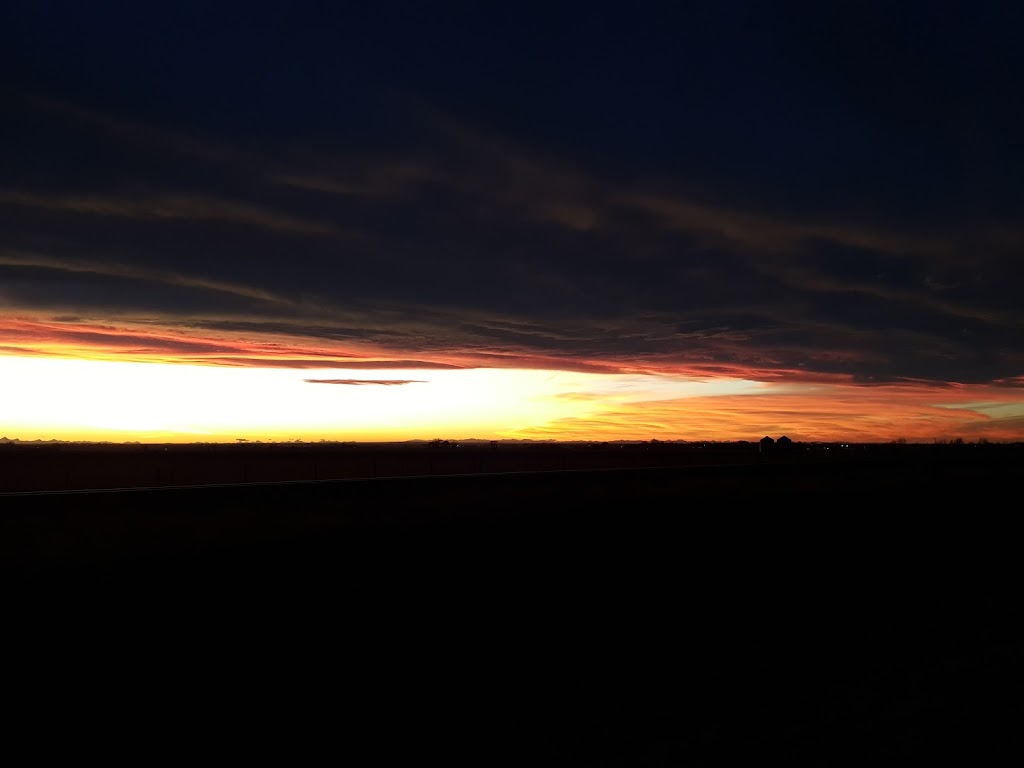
(49, 398)
(77, 381)
(823, 413)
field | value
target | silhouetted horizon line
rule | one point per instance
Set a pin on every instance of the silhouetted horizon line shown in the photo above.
(512, 441)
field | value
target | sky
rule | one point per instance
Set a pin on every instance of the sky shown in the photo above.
(570, 221)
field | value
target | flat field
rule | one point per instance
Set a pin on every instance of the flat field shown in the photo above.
(822, 611)
(57, 467)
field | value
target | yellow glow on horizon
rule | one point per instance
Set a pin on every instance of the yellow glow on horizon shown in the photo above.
(73, 399)
(47, 398)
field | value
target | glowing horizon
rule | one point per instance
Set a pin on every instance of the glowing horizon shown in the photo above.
(58, 398)
(572, 262)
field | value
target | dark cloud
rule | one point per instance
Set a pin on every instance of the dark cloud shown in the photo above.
(171, 207)
(326, 361)
(726, 192)
(360, 382)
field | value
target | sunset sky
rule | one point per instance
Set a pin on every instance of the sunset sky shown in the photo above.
(388, 221)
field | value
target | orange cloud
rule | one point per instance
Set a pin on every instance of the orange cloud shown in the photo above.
(833, 412)
(160, 345)
(153, 343)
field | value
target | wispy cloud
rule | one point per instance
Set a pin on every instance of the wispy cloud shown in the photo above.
(377, 178)
(140, 132)
(134, 272)
(164, 343)
(361, 382)
(478, 250)
(171, 207)
(824, 412)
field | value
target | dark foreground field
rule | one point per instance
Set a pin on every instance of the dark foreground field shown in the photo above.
(71, 466)
(839, 613)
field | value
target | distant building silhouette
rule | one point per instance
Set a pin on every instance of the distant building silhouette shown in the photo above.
(784, 444)
(767, 444)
